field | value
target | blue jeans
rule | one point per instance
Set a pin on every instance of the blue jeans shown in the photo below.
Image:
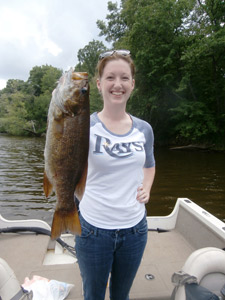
(102, 251)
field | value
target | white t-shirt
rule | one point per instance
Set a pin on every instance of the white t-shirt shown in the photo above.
(115, 171)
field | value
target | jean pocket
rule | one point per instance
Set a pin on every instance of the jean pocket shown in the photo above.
(86, 232)
(142, 227)
(81, 241)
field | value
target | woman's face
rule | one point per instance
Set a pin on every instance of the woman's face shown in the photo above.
(116, 83)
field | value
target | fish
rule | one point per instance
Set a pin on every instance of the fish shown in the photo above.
(66, 149)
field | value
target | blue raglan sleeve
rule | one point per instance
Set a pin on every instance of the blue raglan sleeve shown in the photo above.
(146, 129)
(149, 146)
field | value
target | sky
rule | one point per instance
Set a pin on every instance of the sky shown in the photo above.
(39, 32)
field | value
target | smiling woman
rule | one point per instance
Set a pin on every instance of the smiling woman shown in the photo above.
(116, 85)
(121, 170)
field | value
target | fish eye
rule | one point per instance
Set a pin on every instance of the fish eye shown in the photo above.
(84, 90)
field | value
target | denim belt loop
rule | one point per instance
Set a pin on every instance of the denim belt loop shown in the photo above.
(134, 230)
(95, 231)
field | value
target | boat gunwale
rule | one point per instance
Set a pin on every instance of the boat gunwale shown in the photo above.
(169, 222)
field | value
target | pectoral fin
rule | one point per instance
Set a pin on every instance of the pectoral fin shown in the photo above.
(80, 187)
(47, 186)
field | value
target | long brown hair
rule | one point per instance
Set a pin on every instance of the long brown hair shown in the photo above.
(115, 56)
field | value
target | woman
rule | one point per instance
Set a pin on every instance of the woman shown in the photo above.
(121, 170)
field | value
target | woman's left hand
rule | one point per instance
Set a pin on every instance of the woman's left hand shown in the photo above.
(142, 195)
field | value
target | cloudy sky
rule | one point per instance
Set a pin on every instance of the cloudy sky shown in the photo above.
(39, 32)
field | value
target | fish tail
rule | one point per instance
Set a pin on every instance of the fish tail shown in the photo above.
(65, 221)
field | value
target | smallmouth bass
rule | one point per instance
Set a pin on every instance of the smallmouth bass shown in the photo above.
(66, 149)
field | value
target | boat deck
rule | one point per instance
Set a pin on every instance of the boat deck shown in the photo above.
(189, 228)
(164, 254)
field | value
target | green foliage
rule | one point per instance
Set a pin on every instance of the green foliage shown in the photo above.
(13, 86)
(116, 27)
(88, 57)
(43, 78)
(50, 79)
(14, 120)
(24, 105)
(96, 102)
(194, 122)
(40, 112)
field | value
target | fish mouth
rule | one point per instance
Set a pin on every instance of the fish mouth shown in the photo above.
(81, 81)
(71, 91)
(79, 76)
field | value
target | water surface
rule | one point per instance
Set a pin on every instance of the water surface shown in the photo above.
(199, 176)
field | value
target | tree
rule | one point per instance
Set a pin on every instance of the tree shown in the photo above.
(50, 79)
(156, 43)
(42, 78)
(88, 57)
(24, 105)
(14, 120)
(42, 82)
(14, 85)
(203, 80)
(116, 27)
(38, 118)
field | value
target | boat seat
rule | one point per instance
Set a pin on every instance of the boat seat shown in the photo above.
(9, 285)
(206, 267)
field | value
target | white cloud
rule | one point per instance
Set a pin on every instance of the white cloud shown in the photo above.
(40, 32)
(52, 48)
(2, 83)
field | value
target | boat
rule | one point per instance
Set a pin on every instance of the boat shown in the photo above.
(188, 239)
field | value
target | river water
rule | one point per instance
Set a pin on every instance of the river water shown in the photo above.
(199, 176)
